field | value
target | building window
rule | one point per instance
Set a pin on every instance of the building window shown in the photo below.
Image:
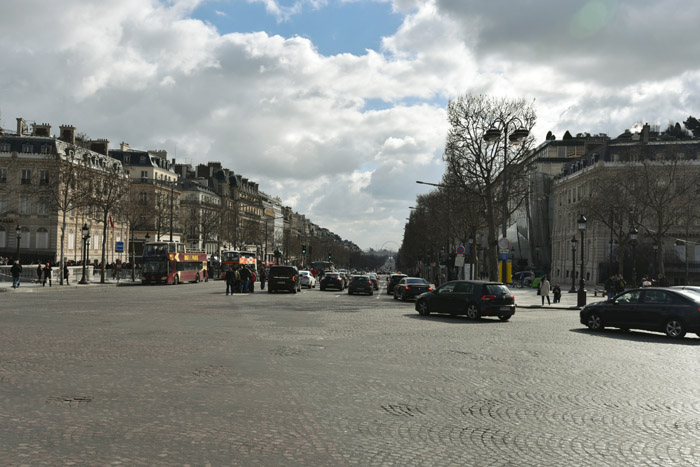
(42, 238)
(143, 198)
(3, 175)
(127, 159)
(43, 207)
(43, 177)
(25, 205)
(3, 205)
(26, 177)
(45, 149)
(142, 160)
(3, 237)
(27, 148)
(5, 147)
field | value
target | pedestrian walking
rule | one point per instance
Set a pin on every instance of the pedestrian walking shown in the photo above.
(230, 280)
(47, 275)
(620, 284)
(252, 280)
(66, 273)
(236, 280)
(39, 273)
(556, 293)
(610, 286)
(263, 278)
(16, 271)
(544, 290)
(245, 278)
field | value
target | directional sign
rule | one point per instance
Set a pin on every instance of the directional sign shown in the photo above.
(119, 247)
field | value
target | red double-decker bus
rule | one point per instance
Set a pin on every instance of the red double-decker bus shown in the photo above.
(171, 263)
(233, 258)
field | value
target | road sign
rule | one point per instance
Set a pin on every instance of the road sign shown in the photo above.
(503, 244)
(119, 247)
(459, 261)
(460, 249)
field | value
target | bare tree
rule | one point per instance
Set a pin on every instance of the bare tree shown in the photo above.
(479, 168)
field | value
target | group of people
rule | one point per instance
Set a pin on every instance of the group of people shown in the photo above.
(615, 285)
(545, 288)
(242, 279)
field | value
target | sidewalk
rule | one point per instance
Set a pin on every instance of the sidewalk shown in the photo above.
(32, 285)
(528, 298)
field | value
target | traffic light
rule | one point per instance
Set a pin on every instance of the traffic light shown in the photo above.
(303, 249)
(329, 256)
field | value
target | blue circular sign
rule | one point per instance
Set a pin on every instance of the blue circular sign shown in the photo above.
(460, 250)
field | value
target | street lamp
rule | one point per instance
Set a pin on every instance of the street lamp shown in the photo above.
(573, 264)
(86, 237)
(18, 232)
(633, 236)
(493, 135)
(582, 282)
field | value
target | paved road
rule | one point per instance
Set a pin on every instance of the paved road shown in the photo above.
(188, 376)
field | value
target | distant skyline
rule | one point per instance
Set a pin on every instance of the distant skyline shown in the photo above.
(337, 107)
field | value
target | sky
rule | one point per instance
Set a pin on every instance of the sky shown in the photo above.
(339, 106)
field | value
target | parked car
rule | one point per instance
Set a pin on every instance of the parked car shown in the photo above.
(283, 278)
(411, 287)
(307, 279)
(375, 280)
(360, 284)
(332, 280)
(661, 309)
(391, 282)
(471, 298)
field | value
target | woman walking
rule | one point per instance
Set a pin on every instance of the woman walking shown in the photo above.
(544, 290)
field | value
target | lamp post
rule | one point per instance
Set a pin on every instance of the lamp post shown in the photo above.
(172, 187)
(573, 264)
(18, 232)
(86, 237)
(582, 282)
(633, 236)
(493, 135)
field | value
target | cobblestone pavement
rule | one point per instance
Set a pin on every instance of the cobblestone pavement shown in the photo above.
(185, 375)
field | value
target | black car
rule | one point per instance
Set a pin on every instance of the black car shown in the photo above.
(411, 287)
(471, 298)
(391, 282)
(360, 284)
(660, 309)
(283, 278)
(332, 280)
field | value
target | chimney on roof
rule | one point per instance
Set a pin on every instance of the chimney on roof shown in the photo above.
(20, 126)
(99, 145)
(42, 130)
(124, 146)
(645, 133)
(67, 134)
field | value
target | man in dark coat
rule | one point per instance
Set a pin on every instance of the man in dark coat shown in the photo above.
(230, 280)
(16, 271)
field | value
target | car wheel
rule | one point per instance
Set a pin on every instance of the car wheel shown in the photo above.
(423, 308)
(371, 293)
(504, 317)
(396, 297)
(473, 312)
(196, 279)
(595, 322)
(322, 289)
(675, 328)
(176, 281)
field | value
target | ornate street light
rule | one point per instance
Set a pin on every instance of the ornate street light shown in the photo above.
(582, 282)
(18, 232)
(86, 237)
(492, 135)
(633, 236)
(573, 264)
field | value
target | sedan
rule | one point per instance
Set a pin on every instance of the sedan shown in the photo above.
(411, 287)
(307, 279)
(360, 284)
(660, 309)
(332, 280)
(471, 298)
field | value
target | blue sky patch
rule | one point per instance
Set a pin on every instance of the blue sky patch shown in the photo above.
(334, 29)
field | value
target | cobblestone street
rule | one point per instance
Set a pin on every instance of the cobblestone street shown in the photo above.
(185, 375)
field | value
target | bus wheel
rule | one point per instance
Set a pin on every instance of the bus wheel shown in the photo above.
(196, 279)
(176, 281)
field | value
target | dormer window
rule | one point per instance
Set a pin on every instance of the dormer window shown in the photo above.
(5, 147)
(45, 149)
(27, 148)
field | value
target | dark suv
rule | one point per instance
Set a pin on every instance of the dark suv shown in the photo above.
(391, 282)
(283, 278)
(472, 298)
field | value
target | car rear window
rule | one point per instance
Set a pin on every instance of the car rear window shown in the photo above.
(282, 271)
(496, 289)
(360, 278)
(332, 276)
(416, 281)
